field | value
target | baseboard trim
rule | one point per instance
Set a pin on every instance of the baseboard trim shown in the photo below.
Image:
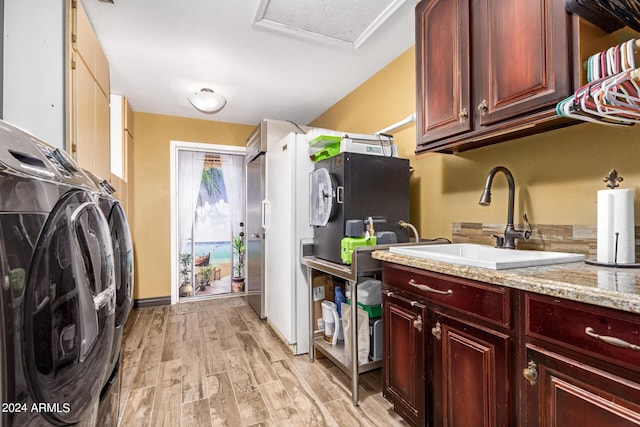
(151, 302)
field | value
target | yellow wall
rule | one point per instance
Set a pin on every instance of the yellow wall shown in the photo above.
(151, 214)
(557, 173)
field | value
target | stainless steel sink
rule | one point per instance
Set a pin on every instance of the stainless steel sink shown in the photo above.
(485, 256)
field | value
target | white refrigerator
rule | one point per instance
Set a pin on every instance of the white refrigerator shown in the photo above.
(286, 222)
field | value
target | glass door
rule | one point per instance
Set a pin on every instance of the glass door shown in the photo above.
(211, 224)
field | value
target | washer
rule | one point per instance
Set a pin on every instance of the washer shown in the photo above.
(57, 295)
(124, 278)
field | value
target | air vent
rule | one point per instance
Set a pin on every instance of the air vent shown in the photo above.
(334, 21)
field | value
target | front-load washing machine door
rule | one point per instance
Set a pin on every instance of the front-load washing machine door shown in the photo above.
(69, 310)
(123, 259)
(324, 195)
(123, 265)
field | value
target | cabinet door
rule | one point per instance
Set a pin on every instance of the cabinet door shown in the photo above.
(521, 52)
(83, 116)
(442, 69)
(404, 356)
(470, 374)
(566, 392)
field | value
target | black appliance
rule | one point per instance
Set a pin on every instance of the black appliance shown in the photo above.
(353, 186)
(57, 287)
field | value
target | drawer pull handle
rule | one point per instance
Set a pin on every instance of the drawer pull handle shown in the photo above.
(426, 288)
(617, 342)
(412, 303)
(417, 304)
(436, 331)
(530, 373)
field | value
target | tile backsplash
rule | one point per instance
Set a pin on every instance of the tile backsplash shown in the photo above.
(560, 238)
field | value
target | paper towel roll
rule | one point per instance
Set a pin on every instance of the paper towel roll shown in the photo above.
(615, 215)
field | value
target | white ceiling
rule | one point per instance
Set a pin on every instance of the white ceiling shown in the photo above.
(161, 50)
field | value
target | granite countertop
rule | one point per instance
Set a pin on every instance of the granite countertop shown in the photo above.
(617, 288)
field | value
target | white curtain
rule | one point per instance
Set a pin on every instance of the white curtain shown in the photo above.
(233, 175)
(190, 165)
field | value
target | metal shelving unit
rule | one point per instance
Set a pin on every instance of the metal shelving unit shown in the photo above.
(362, 265)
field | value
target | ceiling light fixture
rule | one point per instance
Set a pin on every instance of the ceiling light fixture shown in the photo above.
(206, 101)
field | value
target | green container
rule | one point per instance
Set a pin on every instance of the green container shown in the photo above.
(323, 140)
(349, 244)
(327, 152)
(372, 310)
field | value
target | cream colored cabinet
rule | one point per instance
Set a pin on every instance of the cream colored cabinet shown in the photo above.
(88, 96)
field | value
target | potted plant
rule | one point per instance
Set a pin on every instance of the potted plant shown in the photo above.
(186, 290)
(205, 276)
(238, 268)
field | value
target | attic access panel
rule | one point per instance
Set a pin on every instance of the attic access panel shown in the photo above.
(346, 22)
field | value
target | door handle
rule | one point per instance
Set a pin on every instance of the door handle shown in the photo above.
(483, 107)
(105, 297)
(417, 323)
(263, 214)
(530, 373)
(436, 331)
(89, 305)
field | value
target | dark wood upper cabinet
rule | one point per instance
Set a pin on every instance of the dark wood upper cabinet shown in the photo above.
(522, 60)
(489, 70)
(443, 75)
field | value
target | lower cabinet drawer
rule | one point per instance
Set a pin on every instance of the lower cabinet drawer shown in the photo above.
(595, 331)
(484, 301)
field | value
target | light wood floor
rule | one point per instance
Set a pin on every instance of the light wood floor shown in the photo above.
(214, 363)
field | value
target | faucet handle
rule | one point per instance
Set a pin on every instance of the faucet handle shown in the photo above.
(499, 240)
(527, 233)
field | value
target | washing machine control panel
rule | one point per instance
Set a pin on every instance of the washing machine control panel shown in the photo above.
(56, 158)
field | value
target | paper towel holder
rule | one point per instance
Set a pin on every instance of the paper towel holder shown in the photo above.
(613, 181)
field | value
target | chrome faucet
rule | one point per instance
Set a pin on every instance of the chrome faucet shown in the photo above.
(510, 232)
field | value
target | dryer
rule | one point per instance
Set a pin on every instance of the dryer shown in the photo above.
(57, 294)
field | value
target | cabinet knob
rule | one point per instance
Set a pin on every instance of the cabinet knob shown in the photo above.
(436, 331)
(530, 373)
(464, 115)
(417, 323)
(483, 107)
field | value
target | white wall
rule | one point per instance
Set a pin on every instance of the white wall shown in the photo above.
(33, 74)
